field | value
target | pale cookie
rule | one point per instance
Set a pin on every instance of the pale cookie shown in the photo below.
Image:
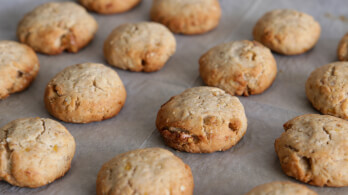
(287, 32)
(109, 6)
(342, 50)
(54, 27)
(34, 152)
(313, 149)
(187, 16)
(85, 93)
(327, 89)
(240, 67)
(152, 171)
(144, 46)
(19, 66)
(281, 188)
(202, 120)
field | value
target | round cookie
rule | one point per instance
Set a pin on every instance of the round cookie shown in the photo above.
(327, 87)
(202, 120)
(187, 16)
(239, 67)
(54, 27)
(19, 66)
(342, 50)
(144, 46)
(281, 188)
(313, 150)
(109, 6)
(152, 171)
(287, 32)
(34, 152)
(85, 93)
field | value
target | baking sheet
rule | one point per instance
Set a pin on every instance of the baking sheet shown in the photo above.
(251, 162)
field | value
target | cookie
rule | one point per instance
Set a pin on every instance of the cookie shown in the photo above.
(19, 66)
(85, 93)
(109, 6)
(202, 120)
(152, 171)
(287, 32)
(34, 152)
(281, 188)
(144, 46)
(54, 27)
(187, 17)
(327, 89)
(239, 67)
(313, 150)
(342, 50)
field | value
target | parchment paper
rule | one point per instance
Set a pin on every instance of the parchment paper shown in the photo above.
(251, 162)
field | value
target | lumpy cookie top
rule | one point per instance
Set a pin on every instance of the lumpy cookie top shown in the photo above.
(342, 50)
(239, 67)
(145, 171)
(287, 32)
(109, 6)
(313, 150)
(281, 188)
(54, 27)
(34, 151)
(19, 65)
(327, 89)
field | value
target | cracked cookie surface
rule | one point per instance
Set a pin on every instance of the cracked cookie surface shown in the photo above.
(281, 188)
(187, 16)
(153, 171)
(144, 46)
(54, 27)
(85, 93)
(287, 32)
(19, 66)
(313, 149)
(202, 120)
(327, 89)
(239, 67)
(34, 152)
(109, 6)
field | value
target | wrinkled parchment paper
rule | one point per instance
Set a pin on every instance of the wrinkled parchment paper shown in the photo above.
(251, 162)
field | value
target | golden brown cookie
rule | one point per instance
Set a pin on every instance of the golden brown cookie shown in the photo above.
(187, 16)
(34, 152)
(19, 66)
(144, 46)
(109, 6)
(342, 50)
(313, 149)
(239, 67)
(281, 188)
(85, 93)
(54, 27)
(152, 171)
(202, 120)
(287, 32)
(327, 89)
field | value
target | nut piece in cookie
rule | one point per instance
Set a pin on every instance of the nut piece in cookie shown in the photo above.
(342, 50)
(202, 120)
(144, 46)
(152, 171)
(239, 67)
(19, 66)
(313, 149)
(327, 89)
(34, 152)
(281, 188)
(85, 93)
(187, 16)
(109, 6)
(287, 32)
(54, 27)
